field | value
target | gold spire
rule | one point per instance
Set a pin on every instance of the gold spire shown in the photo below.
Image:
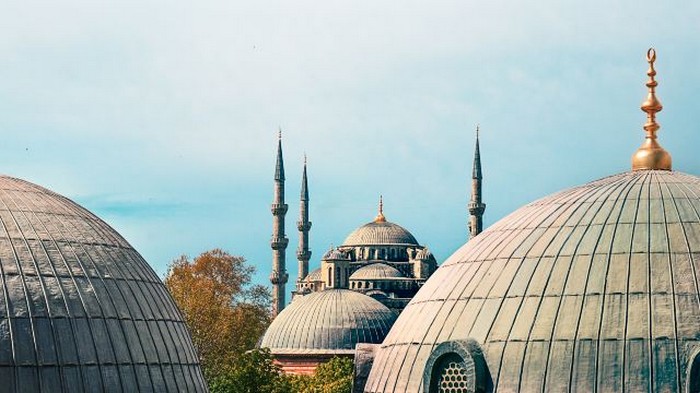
(380, 217)
(651, 155)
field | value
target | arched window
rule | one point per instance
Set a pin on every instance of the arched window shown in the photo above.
(457, 367)
(450, 375)
(693, 382)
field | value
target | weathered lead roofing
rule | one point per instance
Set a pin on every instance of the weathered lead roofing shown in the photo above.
(592, 288)
(80, 309)
(376, 271)
(380, 233)
(314, 276)
(330, 321)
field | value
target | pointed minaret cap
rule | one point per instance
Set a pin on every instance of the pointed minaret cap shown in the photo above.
(380, 216)
(279, 167)
(476, 168)
(651, 155)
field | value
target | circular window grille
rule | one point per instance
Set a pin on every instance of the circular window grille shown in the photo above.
(454, 377)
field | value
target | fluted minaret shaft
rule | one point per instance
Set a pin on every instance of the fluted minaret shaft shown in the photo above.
(279, 240)
(304, 225)
(475, 206)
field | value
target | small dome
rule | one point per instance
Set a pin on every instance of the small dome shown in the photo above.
(326, 322)
(380, 233)
(334, 255)
(376, 271)
(314, 276)
(82, 310)
(586, 289)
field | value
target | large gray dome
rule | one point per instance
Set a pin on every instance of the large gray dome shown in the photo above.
(81, 310)
(332, 321)
(380, 233)
(594, 288)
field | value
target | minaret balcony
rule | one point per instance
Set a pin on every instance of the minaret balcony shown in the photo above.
(476, 209)
(278, 277)
(279, 209)
(279, 243)
(303, 226)
(304, 255)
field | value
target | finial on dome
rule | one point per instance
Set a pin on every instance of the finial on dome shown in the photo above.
(380, 216)
(651, 155)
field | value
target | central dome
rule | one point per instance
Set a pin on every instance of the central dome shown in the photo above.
(380, 233)
(81, 309)
(593, 288)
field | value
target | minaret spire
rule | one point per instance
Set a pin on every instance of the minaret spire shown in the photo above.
(651, 155)
(304, 225)
(476, 207)
(279, 240)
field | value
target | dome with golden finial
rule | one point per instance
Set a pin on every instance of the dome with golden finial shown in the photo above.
(380, 232)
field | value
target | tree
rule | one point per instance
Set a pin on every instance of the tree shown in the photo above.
(334, 376)
(224, 312)
(253, 372)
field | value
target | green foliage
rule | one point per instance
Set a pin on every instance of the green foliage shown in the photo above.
(334, 376)
(253, 372)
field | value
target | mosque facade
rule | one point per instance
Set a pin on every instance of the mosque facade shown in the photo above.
(359, 288)
(591, 289)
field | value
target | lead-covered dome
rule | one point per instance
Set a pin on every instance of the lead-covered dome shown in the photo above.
(592, 288)
(330, 321)
(81, 310)
(376, 271)
(380, 233)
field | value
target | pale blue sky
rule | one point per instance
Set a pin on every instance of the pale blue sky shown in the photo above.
(161, 116)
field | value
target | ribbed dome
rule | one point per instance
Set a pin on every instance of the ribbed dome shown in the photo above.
(380, 233)
(595, 287)
(330, 321)
(81, 310)
(376, 271)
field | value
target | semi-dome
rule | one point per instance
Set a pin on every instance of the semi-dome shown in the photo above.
(592, 288)
(81, 309)
(314, 276)
(380, 233)
(330, 321)
(376, 271)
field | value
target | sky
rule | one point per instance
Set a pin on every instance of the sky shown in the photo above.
(161, 117)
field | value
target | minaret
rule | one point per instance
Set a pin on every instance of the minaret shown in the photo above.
(304, 225)
(475, 206)
(279, 241)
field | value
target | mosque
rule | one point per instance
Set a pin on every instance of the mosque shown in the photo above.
(80, 309)
(593, 288)
(358, 290)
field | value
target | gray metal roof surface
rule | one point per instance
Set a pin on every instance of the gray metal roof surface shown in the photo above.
(333, 319)
(592, 288)
(80, 309)
(380, 233)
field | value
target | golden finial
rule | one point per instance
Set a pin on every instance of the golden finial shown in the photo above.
(380, 217)
(651, 155)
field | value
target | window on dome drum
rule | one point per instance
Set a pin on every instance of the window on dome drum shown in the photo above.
(450, 375)
(694, 375)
